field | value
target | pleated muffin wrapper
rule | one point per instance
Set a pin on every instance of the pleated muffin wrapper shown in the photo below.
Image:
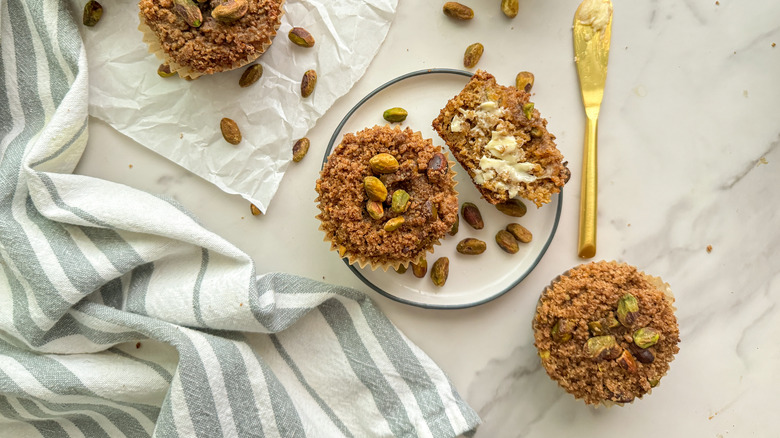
(659, 285)
(153, 42)
(360, 259)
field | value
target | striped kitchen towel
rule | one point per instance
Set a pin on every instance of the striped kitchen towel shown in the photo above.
(121, 316)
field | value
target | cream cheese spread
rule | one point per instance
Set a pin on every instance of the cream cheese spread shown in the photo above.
(595, 13)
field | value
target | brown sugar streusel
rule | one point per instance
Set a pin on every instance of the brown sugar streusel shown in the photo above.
(592, 303)
(213, 46)
(429, 213)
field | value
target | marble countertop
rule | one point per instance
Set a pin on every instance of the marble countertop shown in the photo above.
(688, 154)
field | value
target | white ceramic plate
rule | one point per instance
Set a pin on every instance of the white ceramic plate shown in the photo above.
(472, 280)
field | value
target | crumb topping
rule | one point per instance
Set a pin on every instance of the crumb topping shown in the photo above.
(588, 293)
(432, 206)
(214, 46)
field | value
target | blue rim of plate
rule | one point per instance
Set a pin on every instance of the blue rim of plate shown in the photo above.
(378, 289)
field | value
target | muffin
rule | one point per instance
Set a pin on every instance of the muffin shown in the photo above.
(206, 37)
(498, 136)
(606, 332)
(386, 197)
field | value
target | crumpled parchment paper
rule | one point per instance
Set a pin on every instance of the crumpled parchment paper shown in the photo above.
(180, 119)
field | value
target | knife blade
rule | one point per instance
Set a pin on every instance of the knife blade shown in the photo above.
(592, 31)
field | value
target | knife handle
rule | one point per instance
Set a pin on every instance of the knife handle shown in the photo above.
(589, 191)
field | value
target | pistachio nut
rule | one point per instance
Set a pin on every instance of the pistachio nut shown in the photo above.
(420, 268)
(520, 233)
(596, 328)
(300, 148)
(610, 321)
(626, 360)
(528, 110)
(230, 10)
(603, 348)
(230, 131)
(642, 355)
(646, 337)
(251, 75)
(188, 11)
(440, 270)
(628, 310)
(513, 207)
(457, 11)
(524, 81)
(375, 209)
(472, 216)
(308, 83)
(394, 223)
(544, 354)
(653, 382)
(471, 246)
(454, 229)
(562, 331)
(510, 8)
(400, 201)
(430, 210)
(437, 167)
(92, 13)
(164, 70)
(401, 269)
(438, 162)
(536, 132)
(507, 242)
(375, 190)
(472, 54)
(395, 115)
(301, 37)
(383, 163)
(255, 211)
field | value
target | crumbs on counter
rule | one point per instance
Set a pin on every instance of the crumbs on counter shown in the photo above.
(129, 166)
(717, 3)
(761, 161)
(137, 345)
(709, 249)
(773, 44)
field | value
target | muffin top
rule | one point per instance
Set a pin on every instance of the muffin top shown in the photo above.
(404, 163)
(606, 331)
(213, 45)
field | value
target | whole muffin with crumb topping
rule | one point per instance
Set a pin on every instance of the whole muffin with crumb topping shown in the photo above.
(606, 332)
(386, 197)
(208, 36)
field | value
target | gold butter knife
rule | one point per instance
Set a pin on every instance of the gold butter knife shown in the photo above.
(592, 30)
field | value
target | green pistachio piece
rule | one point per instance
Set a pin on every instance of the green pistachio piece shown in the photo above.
(646, 337)
(562, 331)
(394, 223)
(92, 13)
(528, 110)
(400, 201)
(603, 348)
(628, 310)
(188, 11)
(375, 209)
